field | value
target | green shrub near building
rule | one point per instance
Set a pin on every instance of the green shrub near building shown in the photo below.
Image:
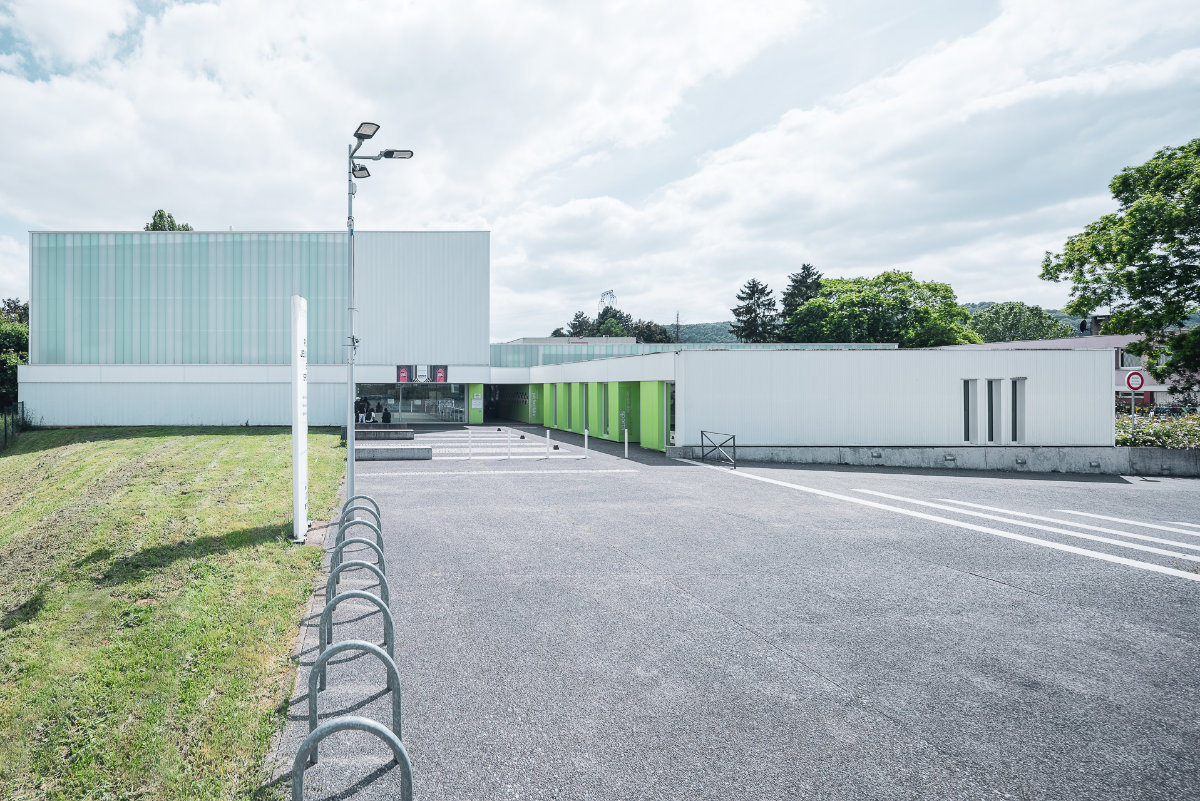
(1159, 432)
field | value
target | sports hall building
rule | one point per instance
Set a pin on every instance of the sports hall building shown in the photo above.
(193, 328)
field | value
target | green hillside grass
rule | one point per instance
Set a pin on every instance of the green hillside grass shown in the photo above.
(149, 603)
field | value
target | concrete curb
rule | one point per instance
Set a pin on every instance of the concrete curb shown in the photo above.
(1094, 460)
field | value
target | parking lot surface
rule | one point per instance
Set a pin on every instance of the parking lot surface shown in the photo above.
(650, 628)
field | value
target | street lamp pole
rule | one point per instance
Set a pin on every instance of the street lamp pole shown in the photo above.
(365, 131)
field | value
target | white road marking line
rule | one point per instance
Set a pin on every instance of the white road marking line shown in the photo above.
(504, 458)
(1130, 522)
(1181, 523)
(1145, 537)
(1039, 526)
(495, 472)
(1057, 546)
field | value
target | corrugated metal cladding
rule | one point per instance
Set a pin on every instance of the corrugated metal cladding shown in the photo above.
(520, 354)
(422, 297)
(901, 397)
(184, 298)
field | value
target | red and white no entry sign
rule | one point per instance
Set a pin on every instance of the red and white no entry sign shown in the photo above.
(1135, 380)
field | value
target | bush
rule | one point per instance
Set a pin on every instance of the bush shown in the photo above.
(1160, 432)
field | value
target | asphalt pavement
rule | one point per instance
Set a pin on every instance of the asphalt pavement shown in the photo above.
(571, 628)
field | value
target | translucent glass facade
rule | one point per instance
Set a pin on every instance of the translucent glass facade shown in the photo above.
(536, 355)
(184, 298)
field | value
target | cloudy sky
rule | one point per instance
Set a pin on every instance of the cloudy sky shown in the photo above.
(665, 150)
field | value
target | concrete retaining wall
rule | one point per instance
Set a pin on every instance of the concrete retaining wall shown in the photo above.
(1082, 459)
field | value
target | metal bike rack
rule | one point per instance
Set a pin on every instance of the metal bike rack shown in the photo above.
(341, 532)
(325, 629)
(710, 446)
(352, 723)
(319, 669)
(336, 559)
(334, 577)
(348, 514)
(361, 498)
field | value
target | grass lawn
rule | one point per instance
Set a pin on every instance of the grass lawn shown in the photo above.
(149, 603)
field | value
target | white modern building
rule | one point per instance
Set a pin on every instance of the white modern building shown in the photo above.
(142, 328)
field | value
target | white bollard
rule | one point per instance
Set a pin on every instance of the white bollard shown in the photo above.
(627, 443)
(547, 443)
(585, 433)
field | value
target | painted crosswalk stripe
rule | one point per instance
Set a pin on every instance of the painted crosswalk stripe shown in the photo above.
(1038, 526)
(1181, 523)
(1089, 527)
(1130, 522)
(1057, 546)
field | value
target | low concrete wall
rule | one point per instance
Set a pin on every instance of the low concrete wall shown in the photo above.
(1042, 459)
(391, 453)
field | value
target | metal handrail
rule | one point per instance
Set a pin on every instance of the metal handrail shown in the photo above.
(319, 670)
(709, 446)
(335, 559)
(352, 723)
(363, 498)
(325, 627)
(334, 576)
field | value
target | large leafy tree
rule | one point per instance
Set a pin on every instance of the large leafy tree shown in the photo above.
(164, 221)
(890, 307)
(580, 325)
(802, 287)
(652, 332)
(14, 350)
(755, 318)
(612, 322)
(14, 309)
(1143, 263)
(1013, 321)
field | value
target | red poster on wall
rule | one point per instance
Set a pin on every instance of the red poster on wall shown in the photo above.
(404, 373)
(439, 373)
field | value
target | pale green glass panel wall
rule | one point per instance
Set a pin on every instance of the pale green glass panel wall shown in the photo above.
(185, 298)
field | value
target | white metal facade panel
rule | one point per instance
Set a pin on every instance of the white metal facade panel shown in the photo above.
(649, 367)
(117, 404)
(422, 298)
(903, 397)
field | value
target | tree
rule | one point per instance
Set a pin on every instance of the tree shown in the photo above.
(14, 309)
(1143, 263)
(580, 325)
(623, 321)
(1014, 321)
(651, 332)
(802, 287)
(890, 307)
(558, 332)
(611, 328)
(14, 350)
(755, 318)
(676, 332)
(166, 222)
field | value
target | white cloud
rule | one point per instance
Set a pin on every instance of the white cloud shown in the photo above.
(963, 160)
(69, 31)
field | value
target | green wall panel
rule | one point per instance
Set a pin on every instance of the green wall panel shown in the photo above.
(474, 415)
(652, 423)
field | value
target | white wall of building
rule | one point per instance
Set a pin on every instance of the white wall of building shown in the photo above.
(423, 298)
(890, 398)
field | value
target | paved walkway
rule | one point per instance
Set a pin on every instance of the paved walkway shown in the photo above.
(650, 629)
